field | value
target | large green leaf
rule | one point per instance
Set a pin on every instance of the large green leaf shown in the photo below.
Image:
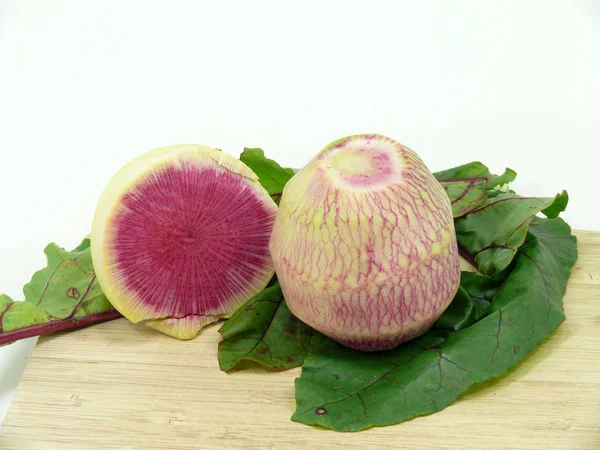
(271, 175)
(472, 302)
(493, 232)
(347, 390)
(467, 186)
(264, 330)
(65, 294)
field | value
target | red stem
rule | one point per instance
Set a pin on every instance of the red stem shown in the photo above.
(9, 337)
(462, 250)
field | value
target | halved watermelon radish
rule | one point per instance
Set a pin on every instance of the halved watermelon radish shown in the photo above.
(180, 238)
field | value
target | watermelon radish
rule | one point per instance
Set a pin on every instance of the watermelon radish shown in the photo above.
(364, 244)
(180, 238)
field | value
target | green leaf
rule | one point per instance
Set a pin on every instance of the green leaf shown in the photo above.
(264, 330)
(467, 186)
(271, 175)
(85, 244)
(345, 390)
(65, 294)
(473, 169)
(493, 232)
(497, 181)
(558, 206)
(465, 195)
(472, 302)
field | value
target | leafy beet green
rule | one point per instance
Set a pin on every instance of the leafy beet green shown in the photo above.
(557, 206)
(476, 169)
(466, 194)
(468, 185)
(472, 302)
(264, 330)
(494, 231)
(271, 175)
(347, 390)
(473, 169)
(65, 294)
(497, 181)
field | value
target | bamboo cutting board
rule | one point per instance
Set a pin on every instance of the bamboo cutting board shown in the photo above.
(124, 386)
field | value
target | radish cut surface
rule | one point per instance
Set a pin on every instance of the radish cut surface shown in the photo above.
(180, 238)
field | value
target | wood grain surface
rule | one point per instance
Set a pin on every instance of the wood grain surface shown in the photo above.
(123, 386)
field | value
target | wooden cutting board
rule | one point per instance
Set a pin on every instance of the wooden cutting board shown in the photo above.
(123, 386)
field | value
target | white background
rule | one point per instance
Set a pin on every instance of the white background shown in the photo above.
(87, 86)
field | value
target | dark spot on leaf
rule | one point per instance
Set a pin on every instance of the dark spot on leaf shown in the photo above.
(249, 308)
(336, 376)
(72, 292)
(289, 359)
(262, 351)
(320, 411)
